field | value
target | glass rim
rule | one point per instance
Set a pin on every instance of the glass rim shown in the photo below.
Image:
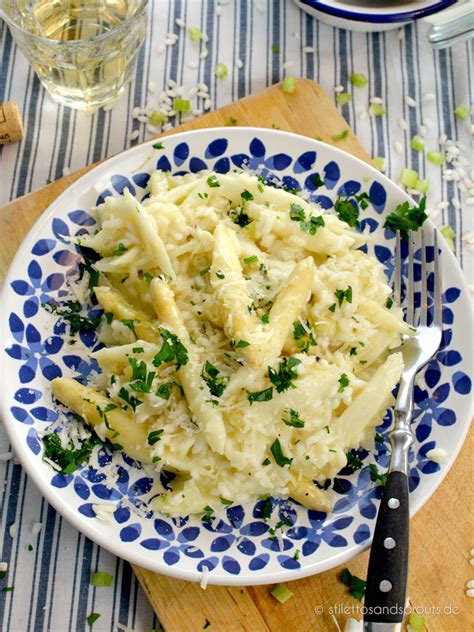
(143, 5)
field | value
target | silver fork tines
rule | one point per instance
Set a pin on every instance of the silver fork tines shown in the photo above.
(420, 347)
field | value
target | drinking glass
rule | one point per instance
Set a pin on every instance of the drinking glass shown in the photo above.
(83, 51)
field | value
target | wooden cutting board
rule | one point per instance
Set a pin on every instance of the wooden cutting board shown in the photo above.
(441, 535)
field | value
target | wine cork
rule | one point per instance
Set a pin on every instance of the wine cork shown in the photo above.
(11, 125)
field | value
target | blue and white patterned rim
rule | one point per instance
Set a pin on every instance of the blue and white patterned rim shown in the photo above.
(379, 18)
(239, 547)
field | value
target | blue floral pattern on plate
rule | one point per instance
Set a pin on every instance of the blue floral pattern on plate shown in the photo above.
(240, 544)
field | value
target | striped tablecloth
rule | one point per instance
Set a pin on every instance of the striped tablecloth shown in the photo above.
(49, 562)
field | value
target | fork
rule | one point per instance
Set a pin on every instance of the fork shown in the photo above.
(388, 563)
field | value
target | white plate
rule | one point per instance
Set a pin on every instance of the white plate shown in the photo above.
(238, 548)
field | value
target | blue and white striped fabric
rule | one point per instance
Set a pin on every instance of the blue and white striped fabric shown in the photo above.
(51, 577)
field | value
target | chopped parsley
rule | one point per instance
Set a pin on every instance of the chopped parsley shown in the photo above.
(154, 436)
(378, 438)
(130, 323)
(304, 338)
(282, 379)
(343, 295)
(246, 196)
(266, 462)
(265, 318)
(171, 350)
(376, 476)
(252, 259)
(207, 517)
(8, 589)
(266, 507)
(92, 618)
(355, 584)
(67, 459)
(297, 214)
(138, 350)
(353, 351)
(405, 218)
(293, 418)
(240, 218)
(362, 200)
(131, 400)
(220, 274)
(142, 380)
(278, 455)
(260, 396)
(164, 390)
(108, 317)
(69, 311)
(275, 48)
(119, 250)
(354, 462)
(347, 212)
(343, 383)
(231, 121)
(203, 196)
(389, 302)
(204, 271)
(215, 383)
(158, 146)
(240, 344)
(87, 265)
(148, 277)
(213, 182)
(317, 180)
(226, 502)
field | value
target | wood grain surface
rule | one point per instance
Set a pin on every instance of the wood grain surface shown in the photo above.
(441, 532)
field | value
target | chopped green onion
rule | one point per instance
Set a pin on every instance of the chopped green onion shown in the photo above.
(252, 259)
(101, 579)
(416, 622)
(417, 143)
(341, 135)
(462, 112)
(379, 162)
(282, 593)
(289, 84)
(343, 98)
(195, 34)
(221, 71)
(358, 80)
(376, 109)
(435, 157)
(157, 118)
(449, 234)
(278, 455)
(422, 185)
(409, 178)
(181, 105)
